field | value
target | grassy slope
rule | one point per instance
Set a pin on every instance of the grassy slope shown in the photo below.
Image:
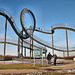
(20, 66)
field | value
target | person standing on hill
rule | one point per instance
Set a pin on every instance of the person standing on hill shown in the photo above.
(55, 58)
(49, 58)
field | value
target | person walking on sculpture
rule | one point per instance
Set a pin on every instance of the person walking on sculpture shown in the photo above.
(49, 58)
(55, 58)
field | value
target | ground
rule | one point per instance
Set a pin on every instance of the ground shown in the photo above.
(64, 67)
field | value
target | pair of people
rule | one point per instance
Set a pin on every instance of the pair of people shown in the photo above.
(49, 56)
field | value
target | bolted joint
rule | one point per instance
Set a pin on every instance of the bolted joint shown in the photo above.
(52, 31)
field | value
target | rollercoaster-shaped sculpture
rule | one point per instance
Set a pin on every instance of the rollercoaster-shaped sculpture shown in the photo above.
(33, 28)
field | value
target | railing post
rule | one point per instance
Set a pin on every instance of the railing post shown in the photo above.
(5, 37)
(67, 44)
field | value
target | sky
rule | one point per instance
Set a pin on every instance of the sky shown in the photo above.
(47, 13)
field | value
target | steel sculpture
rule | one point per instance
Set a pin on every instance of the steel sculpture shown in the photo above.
(4, 13)
(32, 28)
(23, 24)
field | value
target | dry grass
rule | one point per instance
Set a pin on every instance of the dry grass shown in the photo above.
(20, 66)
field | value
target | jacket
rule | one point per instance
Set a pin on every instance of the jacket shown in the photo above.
(49, 57)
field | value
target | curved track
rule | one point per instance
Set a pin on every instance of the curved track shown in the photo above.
(4, 13)
(38, 40)
(63, 26)
(22, 17)
(26, 43)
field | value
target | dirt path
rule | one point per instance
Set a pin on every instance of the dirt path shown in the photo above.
(61, 67)
(41, 69)
(6, 71)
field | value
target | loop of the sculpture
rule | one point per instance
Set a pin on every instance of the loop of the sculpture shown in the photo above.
(24, 11)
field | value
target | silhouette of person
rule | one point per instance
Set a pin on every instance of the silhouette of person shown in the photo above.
(21, 55)
(55, 58)
(49, 58)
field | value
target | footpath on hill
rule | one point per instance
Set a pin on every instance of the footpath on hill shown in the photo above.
(70, 67)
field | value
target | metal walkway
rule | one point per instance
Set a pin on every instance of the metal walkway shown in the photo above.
(4, 13)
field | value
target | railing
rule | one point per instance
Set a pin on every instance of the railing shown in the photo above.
(63, 25)
(49, 44)
(35, 44)
(16, 29)
(8, 14)
(39, 29)
(24, 43)
(42, 30)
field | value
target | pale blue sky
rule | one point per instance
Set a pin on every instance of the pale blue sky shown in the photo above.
(47, 13)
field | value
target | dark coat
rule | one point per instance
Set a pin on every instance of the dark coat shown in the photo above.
(55, 57)
(49, 57)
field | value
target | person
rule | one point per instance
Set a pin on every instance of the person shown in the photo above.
(55, 58)
(21, 55)
(49, 58)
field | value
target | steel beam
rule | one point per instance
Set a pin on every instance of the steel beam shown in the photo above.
(18, 46)
(52, 45)
(45, 52)
(67, 43)
(32, 44)
(30, 47)
(22, 42)
(5, 37)
(25, 52)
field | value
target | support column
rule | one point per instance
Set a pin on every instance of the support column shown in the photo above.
(22, 46)
(22, 43)
(25, 52)
(30, 47)
(45, 52)
(52, 45)
(32, 44)
(5, 37)
(18, 46)
(30, 40)
(67, 44)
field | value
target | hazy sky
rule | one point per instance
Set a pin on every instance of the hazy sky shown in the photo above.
(47, 13)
